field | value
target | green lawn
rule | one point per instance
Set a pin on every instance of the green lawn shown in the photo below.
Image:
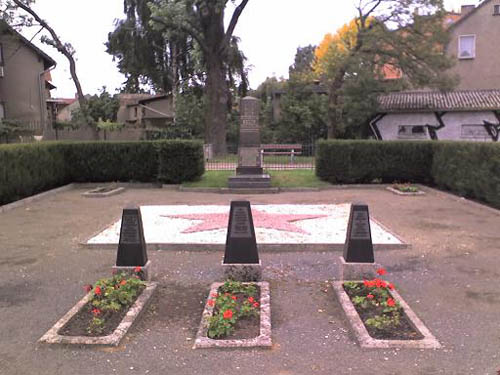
(284, 179)
(269, 159)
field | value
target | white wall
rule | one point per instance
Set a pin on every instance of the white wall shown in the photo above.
(388, 126)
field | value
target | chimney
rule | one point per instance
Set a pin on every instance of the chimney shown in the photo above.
(466, 9)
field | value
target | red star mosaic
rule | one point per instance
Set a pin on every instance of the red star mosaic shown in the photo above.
(261, 219)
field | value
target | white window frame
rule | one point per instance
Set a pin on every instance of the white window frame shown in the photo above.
(473, 47)
(408, 133)
(2, 110)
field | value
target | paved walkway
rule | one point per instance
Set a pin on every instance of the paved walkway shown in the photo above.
(449, 277)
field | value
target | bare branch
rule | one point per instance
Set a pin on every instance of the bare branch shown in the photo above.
(232, 24)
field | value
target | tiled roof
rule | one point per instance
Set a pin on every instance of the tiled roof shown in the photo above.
(469, 100)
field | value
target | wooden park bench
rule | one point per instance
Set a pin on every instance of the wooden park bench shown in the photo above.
(281, 149)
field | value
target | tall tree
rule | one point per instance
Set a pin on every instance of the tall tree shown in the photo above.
(65, 48)
(405, 37)
(303, 62)
(147, 56)
(203, 20)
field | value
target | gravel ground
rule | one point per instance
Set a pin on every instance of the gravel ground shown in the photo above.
(447, 277)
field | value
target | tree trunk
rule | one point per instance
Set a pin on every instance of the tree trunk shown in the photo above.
(217, 95)
(62, 48)
(175, 78)
(333, 103)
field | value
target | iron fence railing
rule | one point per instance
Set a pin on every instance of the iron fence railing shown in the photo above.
(273, 157)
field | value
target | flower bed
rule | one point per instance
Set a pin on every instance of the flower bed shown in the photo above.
(236, 315)
(105, 314)
(379, 315)
(104, 191)
(405, 189)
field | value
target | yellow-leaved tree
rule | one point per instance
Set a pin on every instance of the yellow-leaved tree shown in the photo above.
(400, 37)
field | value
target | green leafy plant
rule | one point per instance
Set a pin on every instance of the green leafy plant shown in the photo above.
(374, 297)
(405, 188)
(233, 301)
(111, 295)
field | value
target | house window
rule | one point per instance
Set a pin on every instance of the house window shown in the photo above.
(2, 111)
(467, 46)
(496, 10)
(473, 131)
(1, 55)
(411, 131)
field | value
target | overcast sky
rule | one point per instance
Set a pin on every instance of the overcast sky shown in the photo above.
(270, 32)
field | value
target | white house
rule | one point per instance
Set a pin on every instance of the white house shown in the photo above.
(470, 115)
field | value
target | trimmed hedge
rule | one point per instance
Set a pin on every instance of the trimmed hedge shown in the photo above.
(111, 161)
(180, 161)
(30, 168)
(470, 169)
(349, 162)
(27, 169)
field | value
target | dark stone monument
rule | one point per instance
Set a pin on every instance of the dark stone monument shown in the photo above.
(132, 245)
(358, 261)
(241, 258)
(358, 245)
(249, 173)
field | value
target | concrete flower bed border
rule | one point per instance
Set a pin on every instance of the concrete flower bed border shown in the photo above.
(263, 340)
(52, 336)
(366, 341)
(97, 193)
(409, 193)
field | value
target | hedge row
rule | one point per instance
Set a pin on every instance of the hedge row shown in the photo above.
(471, 169)
(28, 169)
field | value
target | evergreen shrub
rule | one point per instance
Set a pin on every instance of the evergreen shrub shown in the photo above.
(180, 160)
(358, 161)
(471, 169)
(27, 169)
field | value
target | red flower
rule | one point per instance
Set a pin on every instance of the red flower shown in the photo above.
(215, 295)
(380, 283)
(211, 302)
(369, 283)
(96, 312)
(97, 290)
(370, 296)
(228, 314)
(137, 269)
(251, 300)
(390, 286)
(226, 294)
(123, 282)
(381, 271)
(391, 302)
(234, 298)
(256, 304)
(87, 288)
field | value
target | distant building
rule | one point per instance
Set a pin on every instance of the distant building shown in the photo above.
(24, 80)
(146, 111)
(474, 37)
(469, 115)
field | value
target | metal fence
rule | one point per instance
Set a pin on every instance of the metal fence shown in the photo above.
(273, 157)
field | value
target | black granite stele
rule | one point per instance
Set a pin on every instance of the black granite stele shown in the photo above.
(132, 246)
(358, 245)
(241, 244)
